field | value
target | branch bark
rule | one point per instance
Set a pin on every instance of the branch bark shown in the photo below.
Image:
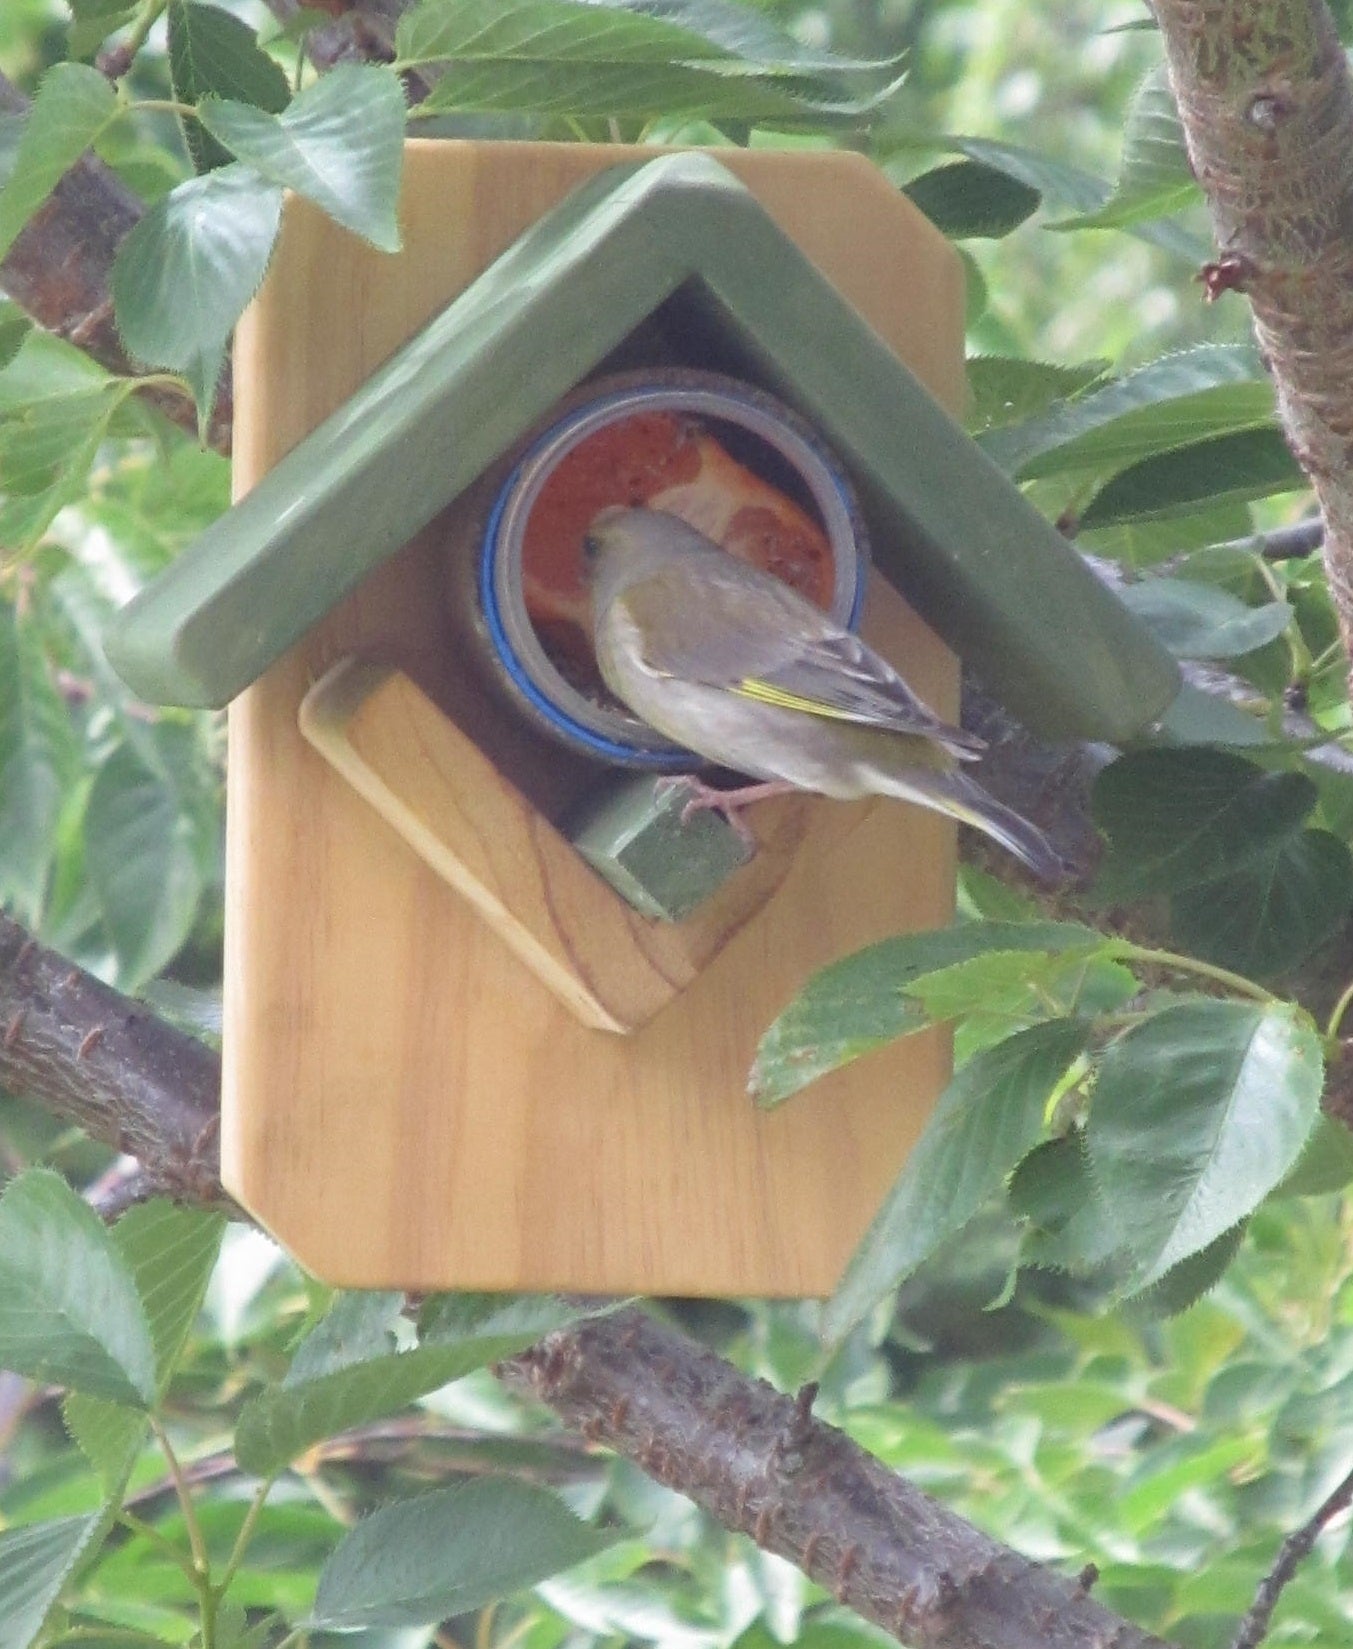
(58, 271)
(756, 1460)
(1266, 101)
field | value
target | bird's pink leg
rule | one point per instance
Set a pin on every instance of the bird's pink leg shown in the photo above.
(705, 798)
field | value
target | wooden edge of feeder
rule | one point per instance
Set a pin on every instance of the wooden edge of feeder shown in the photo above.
(610, 966)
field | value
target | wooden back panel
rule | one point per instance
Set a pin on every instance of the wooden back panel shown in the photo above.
(404, 1103)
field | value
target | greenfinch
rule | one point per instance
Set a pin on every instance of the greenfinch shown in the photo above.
(731, 663)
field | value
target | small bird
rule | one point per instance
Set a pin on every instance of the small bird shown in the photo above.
(731, 663)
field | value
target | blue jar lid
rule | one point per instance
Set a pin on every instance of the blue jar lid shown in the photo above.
(590, 724)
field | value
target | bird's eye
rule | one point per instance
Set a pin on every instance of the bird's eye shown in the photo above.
(591, 546)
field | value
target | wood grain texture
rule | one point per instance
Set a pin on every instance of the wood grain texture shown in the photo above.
(404, 1103)
(612, 968)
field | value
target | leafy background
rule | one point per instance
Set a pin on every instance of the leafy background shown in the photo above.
(1107, 1312)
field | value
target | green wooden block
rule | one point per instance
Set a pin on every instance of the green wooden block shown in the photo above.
(633, 836)
(994, 578)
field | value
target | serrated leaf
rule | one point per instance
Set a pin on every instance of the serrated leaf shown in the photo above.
(212, 53)
(1004, 389)
(1197, 1115)
(184, 274)
(1174, 402)
(14, 328)
(985, 1121)
(48, 445)
(1156, 178)
(69, 1310)
(558, 56)
(72, 106)
(347, 1373)
(863, 1001)
(1265, 920)
(1200, 621)
(1179, 818)
(340, 143)
(171, 1251)
(1249, 463)
(35, 754)
(1072, 186)
(752, 38)
(35, 1561)
(141, 855)
(449, 1553)
(1183, 1285)
(1325, 1163)
(968, 199)
(1053, 1191)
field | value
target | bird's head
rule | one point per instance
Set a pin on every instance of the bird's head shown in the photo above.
(606, 532)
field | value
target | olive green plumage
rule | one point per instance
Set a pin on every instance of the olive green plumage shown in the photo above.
(731, 663)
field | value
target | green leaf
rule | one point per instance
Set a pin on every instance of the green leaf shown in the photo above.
(968, 198)
(1200, 621)
(1053, 1191)
(986, 1120)
(69, 1310)
(171, 1252)
(862, 1002)
(1156, 179)
(449, 1553)
(347, 1372)
(1197, 1115)
(14, 328)
(35, 1561)
(729, 26)
(1183, 1285)
(1140, 1508)
(1325, 1163)
(1004, 389)
(141, 854)
(184, 274)
(1178, 818)
(340, 144)
(214, 54)
(562, 57)
(1265, 920)
(1174, 402)
(73, 105)
(35, 755)
(1253, 463)
(1056, 180)
(48, 445)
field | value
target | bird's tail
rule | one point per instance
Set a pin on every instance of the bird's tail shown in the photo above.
(964, 799)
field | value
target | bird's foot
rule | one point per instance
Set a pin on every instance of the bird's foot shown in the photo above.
(706, 798)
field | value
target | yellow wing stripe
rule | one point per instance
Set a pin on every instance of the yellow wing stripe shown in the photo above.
(751, 688)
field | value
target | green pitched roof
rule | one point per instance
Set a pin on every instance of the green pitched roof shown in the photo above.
(980, 564)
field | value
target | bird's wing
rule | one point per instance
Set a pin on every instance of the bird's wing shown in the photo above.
(766, 642)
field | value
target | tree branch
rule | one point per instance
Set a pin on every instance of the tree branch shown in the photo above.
(59, 266)
(1294, 1550)
(1266, 101)
(96, 1058)
(754, 1459)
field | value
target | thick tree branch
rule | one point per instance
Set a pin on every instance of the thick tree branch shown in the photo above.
(1266, 100)
(756, 1460)
(96, 1058)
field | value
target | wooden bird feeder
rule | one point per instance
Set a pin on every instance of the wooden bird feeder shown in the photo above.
(455, 1055)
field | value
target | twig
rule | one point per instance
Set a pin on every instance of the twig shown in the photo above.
(1293, 1551)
